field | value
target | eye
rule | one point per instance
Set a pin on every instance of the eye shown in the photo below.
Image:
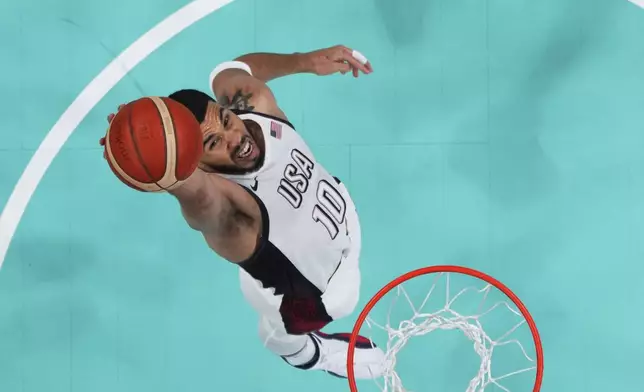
(226, 121)
(211, 141)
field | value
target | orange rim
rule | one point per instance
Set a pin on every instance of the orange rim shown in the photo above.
(450, 269)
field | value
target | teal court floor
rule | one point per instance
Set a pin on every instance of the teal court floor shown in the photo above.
(503, 135)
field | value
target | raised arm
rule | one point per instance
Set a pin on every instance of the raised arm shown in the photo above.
(242, 83)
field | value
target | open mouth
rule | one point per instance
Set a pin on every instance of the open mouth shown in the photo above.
(245, 149)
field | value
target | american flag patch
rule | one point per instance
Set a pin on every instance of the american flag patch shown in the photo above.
(276, 130)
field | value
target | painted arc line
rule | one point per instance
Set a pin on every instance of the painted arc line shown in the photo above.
(638, 2)
(85, 102)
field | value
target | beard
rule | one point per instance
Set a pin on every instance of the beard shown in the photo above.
(231, 169)
(235, 170)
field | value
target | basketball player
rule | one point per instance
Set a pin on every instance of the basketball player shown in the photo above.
(263, 202)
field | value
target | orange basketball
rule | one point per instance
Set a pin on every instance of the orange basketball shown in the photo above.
(153, 144)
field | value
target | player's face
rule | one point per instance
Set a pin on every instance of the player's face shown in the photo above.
(229, 147)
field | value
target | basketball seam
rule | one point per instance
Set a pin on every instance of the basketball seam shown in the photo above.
(176, 143)
(165, 142)
(141, 185)
(138, 151)
(165, 139)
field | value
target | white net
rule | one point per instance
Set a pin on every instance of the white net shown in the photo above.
(447, 318)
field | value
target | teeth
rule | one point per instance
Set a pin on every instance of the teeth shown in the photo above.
(245, 151)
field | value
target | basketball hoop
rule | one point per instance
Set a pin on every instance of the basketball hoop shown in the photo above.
(447, 318)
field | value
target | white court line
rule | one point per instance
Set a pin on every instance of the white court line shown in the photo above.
(638, 2)
(85, 101)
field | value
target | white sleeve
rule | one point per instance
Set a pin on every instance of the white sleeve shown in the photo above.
(228, 65)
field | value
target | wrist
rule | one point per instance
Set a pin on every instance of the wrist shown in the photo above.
(303, 63)
(188, 188)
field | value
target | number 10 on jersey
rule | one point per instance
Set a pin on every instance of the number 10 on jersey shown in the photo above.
(330, 208)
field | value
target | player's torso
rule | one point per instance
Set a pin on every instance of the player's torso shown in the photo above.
(306, 211)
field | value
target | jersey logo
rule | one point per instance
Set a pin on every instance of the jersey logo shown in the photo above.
(296, 178)
(254, 185)
(330, 208)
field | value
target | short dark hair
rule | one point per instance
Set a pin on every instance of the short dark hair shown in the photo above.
(196, 101)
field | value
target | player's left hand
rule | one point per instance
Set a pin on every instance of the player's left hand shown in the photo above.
(336, 59)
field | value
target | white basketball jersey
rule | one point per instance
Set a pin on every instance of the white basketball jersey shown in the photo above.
(306, 211)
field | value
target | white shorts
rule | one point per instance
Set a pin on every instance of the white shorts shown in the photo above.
(342, 292)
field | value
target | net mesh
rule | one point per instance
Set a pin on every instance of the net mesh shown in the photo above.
(446, 318)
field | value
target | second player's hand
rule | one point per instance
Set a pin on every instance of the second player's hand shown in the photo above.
(336, 59)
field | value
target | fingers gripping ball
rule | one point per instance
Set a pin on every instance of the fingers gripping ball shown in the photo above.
(153, 144)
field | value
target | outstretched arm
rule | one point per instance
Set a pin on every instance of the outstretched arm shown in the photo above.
(208, 200)
(241, 84)
(202, 202)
